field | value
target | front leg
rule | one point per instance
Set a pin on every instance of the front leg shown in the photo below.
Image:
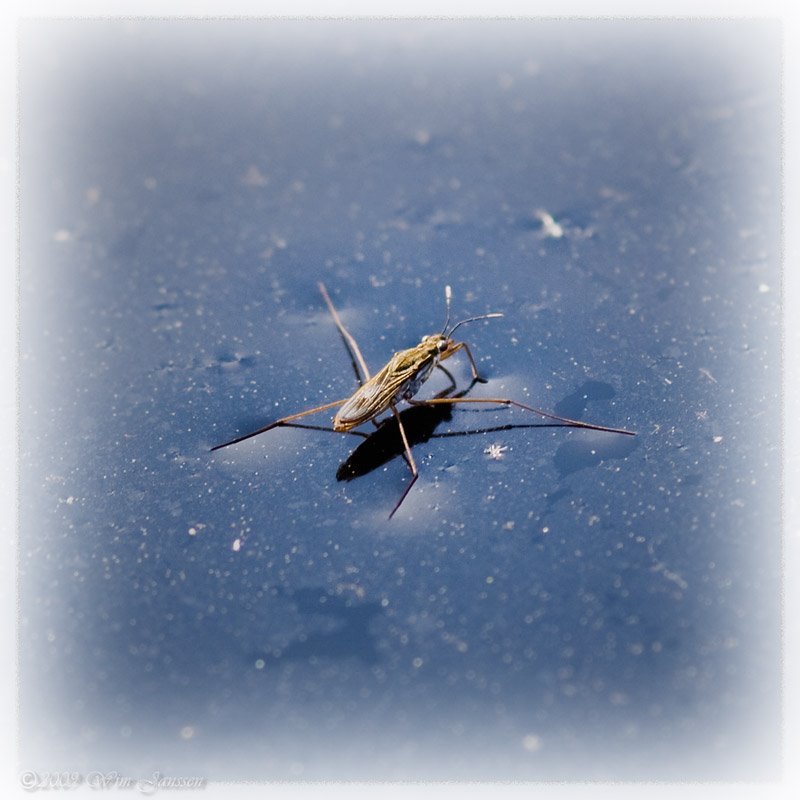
(473, 366)
(452, 380)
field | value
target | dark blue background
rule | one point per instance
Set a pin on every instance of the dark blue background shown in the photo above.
(588, 605)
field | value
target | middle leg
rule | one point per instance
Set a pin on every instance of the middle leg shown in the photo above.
(575, 423)
(409, 460)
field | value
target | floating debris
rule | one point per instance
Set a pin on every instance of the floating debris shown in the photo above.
(495, 451)
(550, 227)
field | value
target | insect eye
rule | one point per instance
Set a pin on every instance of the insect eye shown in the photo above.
(442, 345)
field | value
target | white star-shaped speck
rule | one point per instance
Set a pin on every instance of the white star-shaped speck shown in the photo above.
(495, 451)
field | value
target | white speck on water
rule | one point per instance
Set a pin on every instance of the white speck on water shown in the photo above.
(550, 228)
(532, 743)
(237, 545)
(505, 81)
(531, 67)
(422, 137)
(763, 288)
(254, 177)
(495, 451)
(618, 698)
(670, 575)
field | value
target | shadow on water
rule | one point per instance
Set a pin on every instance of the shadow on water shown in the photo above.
(350, 637)
(574, 405)
(577, 454)
(420, 423)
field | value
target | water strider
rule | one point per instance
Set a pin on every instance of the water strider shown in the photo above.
(399, 380)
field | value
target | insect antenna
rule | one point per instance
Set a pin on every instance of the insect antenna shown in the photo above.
(448, 293)
(473, 319)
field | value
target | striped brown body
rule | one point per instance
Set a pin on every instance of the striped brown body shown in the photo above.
(400, 379)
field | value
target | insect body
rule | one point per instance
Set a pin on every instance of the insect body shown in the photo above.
(400, 380)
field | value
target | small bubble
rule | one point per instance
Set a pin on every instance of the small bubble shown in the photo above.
(618, 698)
(531, 742)
(505, 81)
(422, 137)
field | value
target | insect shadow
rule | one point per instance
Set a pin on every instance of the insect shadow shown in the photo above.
(345, 634)
(420, 422)
(385, 443)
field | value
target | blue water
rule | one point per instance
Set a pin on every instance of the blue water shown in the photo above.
(547, 603)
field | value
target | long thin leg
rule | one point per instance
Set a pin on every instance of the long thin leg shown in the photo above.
(475, 374)
(278, 422)
(505, 402)
(409, 460)
(407, 454)
(346, 335)
(452, 382)
(325, 428)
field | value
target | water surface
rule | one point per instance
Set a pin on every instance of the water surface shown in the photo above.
(547, 603)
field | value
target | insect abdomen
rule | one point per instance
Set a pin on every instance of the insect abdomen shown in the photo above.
(399, 380)
(359, 408)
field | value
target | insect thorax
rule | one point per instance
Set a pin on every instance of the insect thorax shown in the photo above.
(413, 384)
(427, 355)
